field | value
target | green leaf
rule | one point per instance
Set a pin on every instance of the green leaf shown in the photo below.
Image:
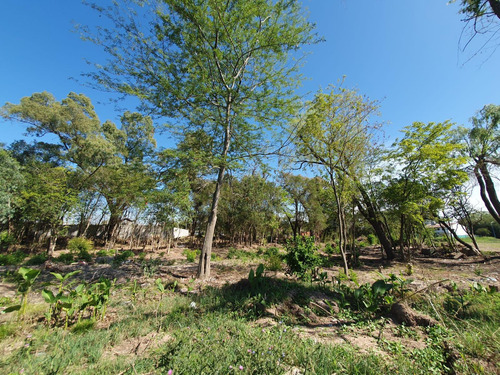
(12, 308)
(48, 296)
(380, 287)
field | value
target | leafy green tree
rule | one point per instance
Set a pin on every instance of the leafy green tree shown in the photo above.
(115, 162)
(47, 198)
(335, 135)
(483, 148)
(221, 66)
(425, 166)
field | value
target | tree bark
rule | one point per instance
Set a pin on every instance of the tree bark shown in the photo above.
(370, 213)
(206, 251)
(495, 6)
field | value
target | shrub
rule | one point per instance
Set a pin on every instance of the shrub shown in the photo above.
(124, 255)
(37, 260)
(302, 257)
(274, 263)
(330, 249)
(6, 240)
(12, 259)
(79, 245)
(483, 232)
(191, 254)
(372, 239)
(65, 258)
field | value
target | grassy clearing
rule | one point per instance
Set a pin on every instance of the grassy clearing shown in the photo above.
(269, 325)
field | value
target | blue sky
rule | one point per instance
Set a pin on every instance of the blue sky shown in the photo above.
(400, 52)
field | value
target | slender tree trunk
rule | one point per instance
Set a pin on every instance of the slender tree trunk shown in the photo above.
(342, 226)
(206, 251)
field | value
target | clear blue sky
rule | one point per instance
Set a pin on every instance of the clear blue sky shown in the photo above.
(403, 53)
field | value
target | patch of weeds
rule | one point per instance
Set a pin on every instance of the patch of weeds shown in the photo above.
(331, 250)
(241, 254)
(191, 255)
(36, 260)
(407, 332)
(13, 258)
(8, 329)
(79, 244)
(83, 326)
(65, 258)
(150, 267)
(226, 345)
(123, 256)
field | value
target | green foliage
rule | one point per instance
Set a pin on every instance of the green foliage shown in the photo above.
(234, 253)
(28, 276)
(330, 249)
(11, 181)
(14, 258)
(66, 258)
(191, 255)
(256, 278)
(71, 304)
(483, 232)
(37, 260)
(302, 257)
(79, 244)
(372, 239)
(6, 239)
(123, 256)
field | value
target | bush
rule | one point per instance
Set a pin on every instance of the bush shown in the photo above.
(12, 259)
(123, 256)
(79, 245)
(191, 255)
(330, 249)
(234, 253)
(65, 258)
(6, 240)
(302, 257)
(372, 239)
(483, 232)
(274, 263)
(37, 260)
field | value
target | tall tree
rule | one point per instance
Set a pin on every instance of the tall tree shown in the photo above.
(335, 135)
(223, 66)
(425, 165)
(110, 160)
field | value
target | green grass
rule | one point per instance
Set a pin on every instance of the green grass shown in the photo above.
(215, 332)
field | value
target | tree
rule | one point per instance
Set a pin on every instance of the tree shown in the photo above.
(11, 181)
(47, 198)
(482, 146)
(425, 165)
(221, 66)
(482, 17)
(335, 135)
(109, 160)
